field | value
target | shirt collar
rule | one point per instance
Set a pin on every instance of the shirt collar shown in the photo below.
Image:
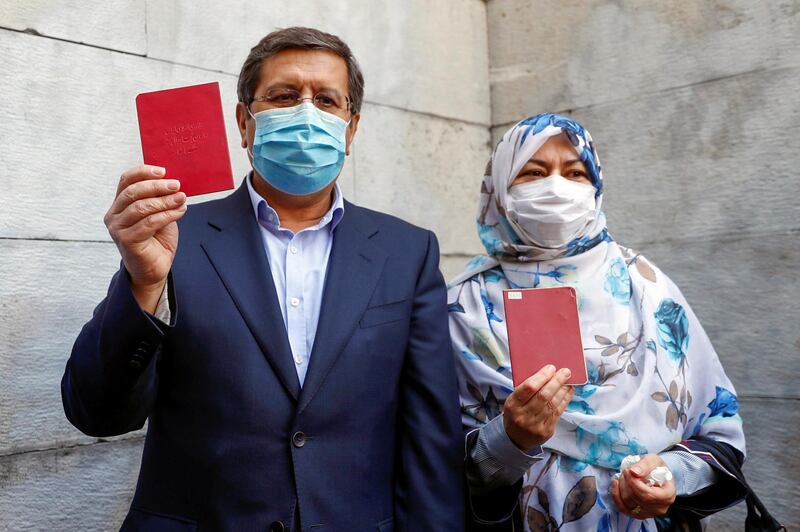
(268, 217)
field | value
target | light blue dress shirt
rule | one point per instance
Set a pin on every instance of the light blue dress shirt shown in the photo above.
(299, 264)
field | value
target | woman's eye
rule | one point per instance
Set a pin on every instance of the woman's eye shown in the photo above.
(577, 173)
(534, 173)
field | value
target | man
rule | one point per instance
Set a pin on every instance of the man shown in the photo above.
(292, 352)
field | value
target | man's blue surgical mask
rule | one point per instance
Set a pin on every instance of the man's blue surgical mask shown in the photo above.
(298, 150)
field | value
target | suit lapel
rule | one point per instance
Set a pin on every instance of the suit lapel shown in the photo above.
(234, 246)
(354, 268)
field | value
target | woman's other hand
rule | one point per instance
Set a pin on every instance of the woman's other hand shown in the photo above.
(635, 498)
(531, 412)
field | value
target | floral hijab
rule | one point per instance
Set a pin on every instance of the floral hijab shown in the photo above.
(518, 145)
(654, 378)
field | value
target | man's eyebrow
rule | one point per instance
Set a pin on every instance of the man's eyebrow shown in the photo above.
(282, 85)
(296, 85)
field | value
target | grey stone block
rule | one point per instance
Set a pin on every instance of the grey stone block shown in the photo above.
(72, 138)
(81, 488)
(47, 292)
(426, 170)
(429, 57)
(114, 24)
(553, 56)
(452, 265)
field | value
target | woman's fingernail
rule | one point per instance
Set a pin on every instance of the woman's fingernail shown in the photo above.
(550, 368)
(157, 170)
(637, 470)
(173, 184)
(567, 373)
(180, 197)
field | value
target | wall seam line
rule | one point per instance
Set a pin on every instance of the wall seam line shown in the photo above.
(722, 237)
(719, 238)
(489, 68)
(48, 239)
(76, 445)
(646, 94)
(35, 33)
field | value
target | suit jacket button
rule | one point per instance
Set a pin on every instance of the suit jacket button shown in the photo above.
(277, 526)
(298, 439)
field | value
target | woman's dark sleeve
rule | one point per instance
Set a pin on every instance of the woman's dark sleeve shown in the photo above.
(730, 488)
(489, 510)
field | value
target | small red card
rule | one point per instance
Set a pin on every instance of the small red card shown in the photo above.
(183, 130)
(544, 328)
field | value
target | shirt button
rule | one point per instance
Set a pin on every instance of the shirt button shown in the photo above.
(298, 360)
(295, 302)
(293, 249)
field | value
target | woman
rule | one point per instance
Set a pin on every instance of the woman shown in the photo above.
(656, 387)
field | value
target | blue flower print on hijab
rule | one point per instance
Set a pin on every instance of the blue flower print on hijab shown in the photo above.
(585, 243)
(673, 330)
(618, 281)
(725, 404)
(606, 443)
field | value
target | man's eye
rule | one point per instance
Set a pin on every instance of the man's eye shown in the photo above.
(326, 101)
(285, 98)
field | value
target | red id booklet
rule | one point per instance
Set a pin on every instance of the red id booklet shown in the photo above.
(183, 130)
(544, 328)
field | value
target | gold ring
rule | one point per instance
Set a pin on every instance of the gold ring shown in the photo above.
(637, 510)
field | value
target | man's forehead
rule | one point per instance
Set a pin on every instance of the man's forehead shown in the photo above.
(298, 66)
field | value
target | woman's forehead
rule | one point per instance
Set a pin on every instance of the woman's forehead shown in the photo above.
(556, 146)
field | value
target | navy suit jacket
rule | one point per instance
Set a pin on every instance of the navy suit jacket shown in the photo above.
(372, 441)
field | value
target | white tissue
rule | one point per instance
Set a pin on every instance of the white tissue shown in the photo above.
(657, 477)
(629, 461)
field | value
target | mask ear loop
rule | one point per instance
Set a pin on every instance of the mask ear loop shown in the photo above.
(248, 148)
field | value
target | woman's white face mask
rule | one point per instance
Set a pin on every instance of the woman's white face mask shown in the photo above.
(553, 211)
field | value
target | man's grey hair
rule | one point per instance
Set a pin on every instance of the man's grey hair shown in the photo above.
(303, 39)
